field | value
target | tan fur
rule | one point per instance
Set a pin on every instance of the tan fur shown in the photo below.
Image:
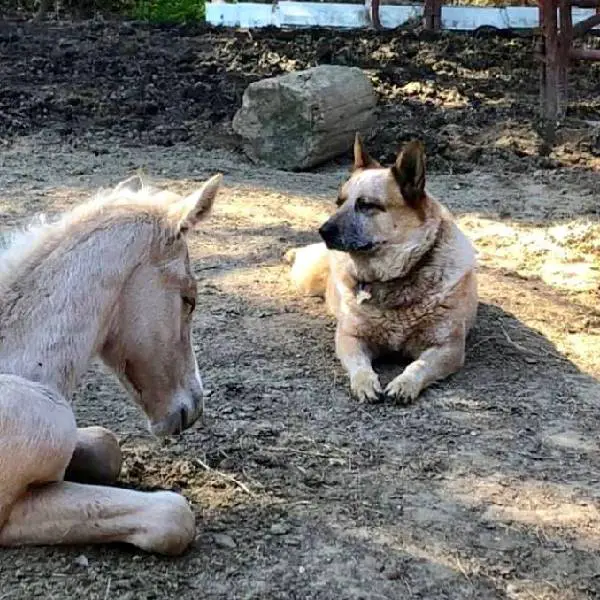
(415, 291)
(110, 279)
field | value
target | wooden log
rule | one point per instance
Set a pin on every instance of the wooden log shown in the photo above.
(585, 54)
(299, 120)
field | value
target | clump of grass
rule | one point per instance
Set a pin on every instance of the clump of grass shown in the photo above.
(169, 11)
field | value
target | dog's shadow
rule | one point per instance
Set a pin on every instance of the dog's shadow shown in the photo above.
(498, 346)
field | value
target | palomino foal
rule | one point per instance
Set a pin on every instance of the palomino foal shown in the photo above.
(111, 279)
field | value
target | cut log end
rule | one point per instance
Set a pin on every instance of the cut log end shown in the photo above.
(300, 120)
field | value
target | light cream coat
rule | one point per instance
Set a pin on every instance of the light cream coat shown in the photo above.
(112, 279)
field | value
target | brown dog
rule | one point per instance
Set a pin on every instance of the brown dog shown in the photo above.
(396, 272)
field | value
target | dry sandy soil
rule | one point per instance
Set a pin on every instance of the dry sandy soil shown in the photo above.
(488, 486)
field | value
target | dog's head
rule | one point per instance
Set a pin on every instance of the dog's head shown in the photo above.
(378, 206)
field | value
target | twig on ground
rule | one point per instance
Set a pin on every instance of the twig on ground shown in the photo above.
(233, 480)
(463, 570)
(304, 452)
(481, 341)
(527, 350)
(107, 593)
(515, 344)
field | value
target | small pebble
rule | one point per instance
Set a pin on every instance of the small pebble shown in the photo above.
(224, 540)
(279, 529)
(82, 561)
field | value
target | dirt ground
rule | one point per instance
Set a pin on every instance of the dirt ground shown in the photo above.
(488, 486)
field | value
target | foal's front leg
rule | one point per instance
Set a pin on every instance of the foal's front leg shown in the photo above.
(71, 513)
(97, 457)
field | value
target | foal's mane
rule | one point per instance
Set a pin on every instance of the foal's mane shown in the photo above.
(27, 247)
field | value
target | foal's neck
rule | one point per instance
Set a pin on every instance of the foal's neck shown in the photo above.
(55, 317)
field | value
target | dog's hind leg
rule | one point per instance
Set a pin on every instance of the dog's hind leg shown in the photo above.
(310, 268)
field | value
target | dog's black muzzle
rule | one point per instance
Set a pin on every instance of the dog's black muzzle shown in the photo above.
(336, 239)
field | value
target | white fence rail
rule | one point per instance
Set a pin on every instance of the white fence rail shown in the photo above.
(349, 16)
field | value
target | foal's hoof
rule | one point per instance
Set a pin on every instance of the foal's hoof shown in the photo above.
(97, 457)
(166, 524)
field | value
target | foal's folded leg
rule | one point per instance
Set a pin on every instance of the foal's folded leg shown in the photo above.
(38, 508)
(97, 457)
(71, 513)
(37, 438)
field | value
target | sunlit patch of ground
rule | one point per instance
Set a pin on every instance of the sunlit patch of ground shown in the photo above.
(553, 269)
(565, 256)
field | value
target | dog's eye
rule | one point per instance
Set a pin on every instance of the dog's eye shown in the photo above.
(339, 201)
(189, 302)
(365, 205)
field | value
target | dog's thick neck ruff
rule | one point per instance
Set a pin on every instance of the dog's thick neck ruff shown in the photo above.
(399, 291)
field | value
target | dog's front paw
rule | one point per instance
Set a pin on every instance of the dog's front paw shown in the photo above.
(404, 389)
(365, 385)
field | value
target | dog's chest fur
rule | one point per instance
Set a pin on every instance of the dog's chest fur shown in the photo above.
(390, 315)
(410, 310)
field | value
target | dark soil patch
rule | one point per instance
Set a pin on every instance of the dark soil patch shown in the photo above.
(473, 98)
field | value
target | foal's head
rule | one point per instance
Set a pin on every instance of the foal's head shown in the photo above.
(149, 342)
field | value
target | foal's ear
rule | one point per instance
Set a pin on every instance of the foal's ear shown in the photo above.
(362, 159)
(131, 184)
(197, 206)
(409, 173)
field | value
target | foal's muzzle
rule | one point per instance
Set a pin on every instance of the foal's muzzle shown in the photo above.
(187, 409)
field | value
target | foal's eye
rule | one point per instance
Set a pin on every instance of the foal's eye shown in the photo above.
(189, 302)
(364, 205)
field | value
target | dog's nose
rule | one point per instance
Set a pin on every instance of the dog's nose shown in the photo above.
(328, 231)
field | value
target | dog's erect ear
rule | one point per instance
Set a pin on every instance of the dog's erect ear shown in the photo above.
(409, 173)
(362, 159)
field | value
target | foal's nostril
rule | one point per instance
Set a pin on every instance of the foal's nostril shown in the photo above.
(183, 418)
(198, 402)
